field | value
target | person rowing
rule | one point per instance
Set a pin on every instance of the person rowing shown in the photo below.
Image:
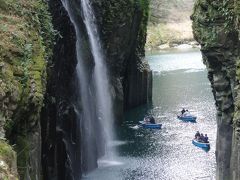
(150, 120)
(183, 111)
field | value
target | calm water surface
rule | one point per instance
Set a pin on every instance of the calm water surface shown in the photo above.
(180, 80)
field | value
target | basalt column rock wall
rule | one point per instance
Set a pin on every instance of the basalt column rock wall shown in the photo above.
(122, 27)
(60, 131)
(216, 28)
(235, 156)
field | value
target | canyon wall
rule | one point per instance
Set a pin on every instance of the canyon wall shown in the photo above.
(122, 28)
(39, 90)
(39, 131)
(216, 28)
(25, 48)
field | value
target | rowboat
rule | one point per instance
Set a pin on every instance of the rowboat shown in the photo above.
(189, 118)
(201, 144)
(147, 125)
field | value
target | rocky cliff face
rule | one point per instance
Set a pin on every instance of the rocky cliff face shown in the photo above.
(123, 30)
(216, 28)
(122, 27)
(38, 94)
(60, 135)
(25, 47)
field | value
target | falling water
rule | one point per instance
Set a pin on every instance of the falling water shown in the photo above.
(104, 102)
(90, 86)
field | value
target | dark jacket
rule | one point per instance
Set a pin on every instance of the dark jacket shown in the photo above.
(152, 120)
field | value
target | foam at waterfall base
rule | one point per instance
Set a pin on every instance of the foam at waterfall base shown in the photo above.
(134, 127)
(108, 163)
(117, 143)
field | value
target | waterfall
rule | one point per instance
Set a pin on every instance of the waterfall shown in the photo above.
(104, 101)
(94, 89)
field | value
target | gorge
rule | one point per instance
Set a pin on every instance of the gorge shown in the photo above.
(70, 69)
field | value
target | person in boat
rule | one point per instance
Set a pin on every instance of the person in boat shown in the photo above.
(186, 113)
(206, 139)
(152, 120)
(197, 135)
(183, 111)
(201, 138)
(146, 119)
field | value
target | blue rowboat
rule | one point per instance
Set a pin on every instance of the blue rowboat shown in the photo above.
(201, 144)
(189, 118)
(150, 125)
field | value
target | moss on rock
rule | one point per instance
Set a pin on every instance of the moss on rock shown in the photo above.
(26, 45)
(7, 162)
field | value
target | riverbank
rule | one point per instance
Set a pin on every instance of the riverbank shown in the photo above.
(181, 48)
(170, 35)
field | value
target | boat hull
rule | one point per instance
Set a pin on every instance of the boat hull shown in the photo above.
(200, 144)
(150, 126)
(187, 118)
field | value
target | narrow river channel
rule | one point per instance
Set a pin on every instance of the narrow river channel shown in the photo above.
(179, 80)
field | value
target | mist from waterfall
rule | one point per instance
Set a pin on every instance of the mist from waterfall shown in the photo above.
(95, 112)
